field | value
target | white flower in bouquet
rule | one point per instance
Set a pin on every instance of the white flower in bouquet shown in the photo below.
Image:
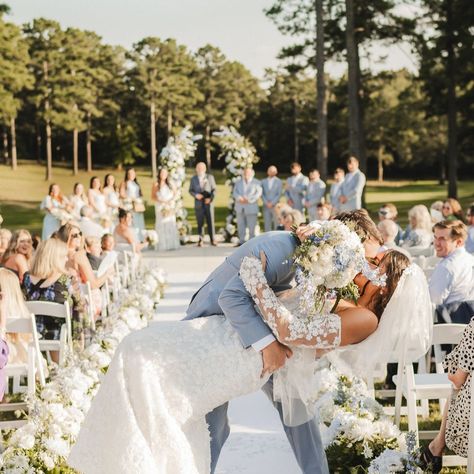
(47, 460)
(151, 237)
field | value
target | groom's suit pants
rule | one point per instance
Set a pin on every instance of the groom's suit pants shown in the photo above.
(305, 439)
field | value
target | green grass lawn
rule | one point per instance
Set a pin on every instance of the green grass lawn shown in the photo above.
(22, 191)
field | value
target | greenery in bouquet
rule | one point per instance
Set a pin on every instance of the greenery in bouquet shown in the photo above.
(178, 152)
(238, 153)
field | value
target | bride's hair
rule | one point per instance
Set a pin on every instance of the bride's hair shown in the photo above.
(361, 223)
(394, 263)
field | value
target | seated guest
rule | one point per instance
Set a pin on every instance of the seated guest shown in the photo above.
(420, 234)
(48, 280)
(470, 230)
(18, 254)
(12, 305)
(436, 211)
(454, 430)
(323, 211)
(88, 227)
(124, 233)
(389, 231)
(452, 279)
(389, 211)
(452, 210)
(5, 236)
(292, 219)
(281, 210)
(4, 349)
(93, 252)
(107, 243)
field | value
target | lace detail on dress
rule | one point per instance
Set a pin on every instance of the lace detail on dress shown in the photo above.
(322, 331)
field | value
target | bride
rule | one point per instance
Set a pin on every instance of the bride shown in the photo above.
(149, 413)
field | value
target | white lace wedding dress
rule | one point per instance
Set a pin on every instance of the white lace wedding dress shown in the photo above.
(149, 414)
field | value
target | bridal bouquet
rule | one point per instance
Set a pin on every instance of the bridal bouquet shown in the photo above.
(151, 237)
(326, 265)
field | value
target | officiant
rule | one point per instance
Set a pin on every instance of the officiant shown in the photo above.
(203, 188)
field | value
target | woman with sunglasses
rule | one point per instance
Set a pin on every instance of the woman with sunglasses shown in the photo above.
(17, 257)
(452, 210)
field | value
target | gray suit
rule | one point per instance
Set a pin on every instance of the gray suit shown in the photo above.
(204, 212)
(295, 189)
(224, 293)
(270, 196)
(314, 195)
(247, 212)
(352, 188)
(334, 194)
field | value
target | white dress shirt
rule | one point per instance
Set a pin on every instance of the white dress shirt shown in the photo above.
(453, 278)
(470, 239)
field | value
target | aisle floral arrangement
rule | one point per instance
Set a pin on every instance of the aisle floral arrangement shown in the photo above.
(238, 153)
(357, 436)
(178, 152)
(55, 416)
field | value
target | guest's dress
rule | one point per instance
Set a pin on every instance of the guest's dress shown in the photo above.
(165, 220)
(60, 291)
(134, 194)
(457, 425)
(50, 222)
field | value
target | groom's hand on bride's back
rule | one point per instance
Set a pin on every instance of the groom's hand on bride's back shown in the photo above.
(274, 357)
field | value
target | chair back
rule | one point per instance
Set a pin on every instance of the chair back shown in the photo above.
(416, 251)
(447, 333)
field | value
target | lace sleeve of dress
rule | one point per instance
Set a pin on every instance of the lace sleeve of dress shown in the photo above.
(319, 331)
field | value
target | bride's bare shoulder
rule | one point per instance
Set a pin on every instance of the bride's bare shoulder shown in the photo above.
(357, 323)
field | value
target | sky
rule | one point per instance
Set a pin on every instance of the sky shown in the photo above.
(238, 27)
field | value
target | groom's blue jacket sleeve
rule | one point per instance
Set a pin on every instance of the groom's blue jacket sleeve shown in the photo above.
(237, 304)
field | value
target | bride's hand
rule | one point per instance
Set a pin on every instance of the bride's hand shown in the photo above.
(304, 231)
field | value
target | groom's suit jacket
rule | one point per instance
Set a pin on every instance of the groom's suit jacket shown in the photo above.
(224, 293)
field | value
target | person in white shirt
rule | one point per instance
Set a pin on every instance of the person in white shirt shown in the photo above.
(271, 192)
(470, 230)
(352, 187)
(453, 277)
(335, 190)
(315, 194)
(88, 227)
(389, 231)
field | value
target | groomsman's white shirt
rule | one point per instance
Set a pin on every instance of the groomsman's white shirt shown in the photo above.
(453, 278)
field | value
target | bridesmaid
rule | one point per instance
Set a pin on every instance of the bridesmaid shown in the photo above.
(112, 199)
(17, 257)
(78, 200)
(52, 204)
(131, 192)
(164, 194)
(97, 198)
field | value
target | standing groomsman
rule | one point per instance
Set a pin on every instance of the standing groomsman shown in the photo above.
(314, 194)
(335, 190)
(271, 192)
(295, 187)
(352, 187)
(203, 188)
(247, 192)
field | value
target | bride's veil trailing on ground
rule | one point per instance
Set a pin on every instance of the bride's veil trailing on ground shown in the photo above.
(405, 327)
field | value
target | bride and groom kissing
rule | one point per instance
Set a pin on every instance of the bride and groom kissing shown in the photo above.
(162, 407)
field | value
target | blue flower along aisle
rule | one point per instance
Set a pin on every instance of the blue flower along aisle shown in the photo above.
(43, 444)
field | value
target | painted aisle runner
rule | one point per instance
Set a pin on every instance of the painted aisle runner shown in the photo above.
(257, 442)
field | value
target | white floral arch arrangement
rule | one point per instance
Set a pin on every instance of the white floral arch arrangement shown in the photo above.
(238, 153)
(179, 151)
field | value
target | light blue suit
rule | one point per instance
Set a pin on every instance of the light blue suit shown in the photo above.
(334, 194)
(352, 188)
(247, 212)
(314, 195)
(273, 196)
(295, 189)
(224, 293)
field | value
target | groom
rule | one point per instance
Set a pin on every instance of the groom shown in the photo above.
(224, 293)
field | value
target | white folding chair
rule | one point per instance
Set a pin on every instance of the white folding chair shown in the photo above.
(417, 251)
(416, 387)
(86, 291)
(31, 369)
(57, 310)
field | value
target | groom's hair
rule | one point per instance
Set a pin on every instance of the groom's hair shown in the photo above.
(361, 223)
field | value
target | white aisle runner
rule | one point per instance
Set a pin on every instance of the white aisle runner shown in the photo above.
(257, 444)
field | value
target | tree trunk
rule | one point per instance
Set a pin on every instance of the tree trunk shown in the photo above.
(380, 154)
(5, 146)
(352, 83)
(208, 146)
(75, 151)
(296, 142)
(89, 144)
(360, 116)
(322, 115)
(442, 170)
(153, 140)
(38, 142)
(13, 143)
(170, 121)
(452, 107)
(49, 147)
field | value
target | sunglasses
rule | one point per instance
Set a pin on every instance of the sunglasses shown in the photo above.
(75, 236)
